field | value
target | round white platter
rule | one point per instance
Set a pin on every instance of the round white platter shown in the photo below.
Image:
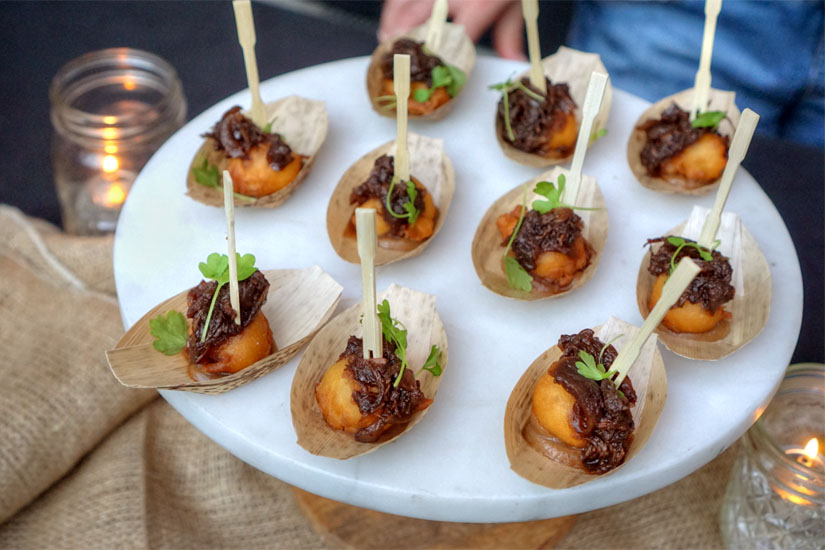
(452, 466)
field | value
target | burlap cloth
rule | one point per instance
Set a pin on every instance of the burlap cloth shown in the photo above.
(87, 463)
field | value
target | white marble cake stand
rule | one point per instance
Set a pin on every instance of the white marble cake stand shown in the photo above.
(452, 466)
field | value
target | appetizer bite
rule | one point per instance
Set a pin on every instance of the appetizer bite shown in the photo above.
(432, 81)
(365, 396)
(680, 151)
(544, 246)
(537, 122)
(410, 210)
(545, 249)
(680, 145)
(574, 414)
(577, 403)
(349, 404)
(405, 209)
(538, 118)
(228, 339)
(441, 58)
(267, 151)
(700, 307)
(260, 162)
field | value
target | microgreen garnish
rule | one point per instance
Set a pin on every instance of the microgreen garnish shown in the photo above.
(267, 129)
(517, 276)
(708, 119)
(593, 369)
(589, 368)
(432, 363)
(447, 76)
(394, 331)
(505, 88)
(208, 175)
(216, 268)
(169, 332)
(680, 243)
(410, 211)
(600, 133)
(553, 194)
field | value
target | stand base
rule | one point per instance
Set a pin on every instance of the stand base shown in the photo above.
(348, 527)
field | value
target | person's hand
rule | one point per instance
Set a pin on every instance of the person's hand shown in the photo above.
(504, 16)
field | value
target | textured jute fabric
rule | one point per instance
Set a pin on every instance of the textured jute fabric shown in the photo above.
(86, 463)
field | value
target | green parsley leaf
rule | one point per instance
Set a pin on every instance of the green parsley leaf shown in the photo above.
(588, 367)
(267, 129)
(217, 269)
(517, 276)
(206, 174)
(441, 76)
(386, 103)
(708, 119)
(432, 363)
(598, 134)
(551, 192)
(621, 394)
(395, 332)
(457, 80)
(169, 333)
(421, 95)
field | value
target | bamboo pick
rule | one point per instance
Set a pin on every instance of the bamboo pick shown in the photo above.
(530, 9)
(738, 148)
(701, 85)
(246, 37)
(674, 287)
(367, 243)
(592, 102)
(401, 82)
(229, 208)
(436, 25)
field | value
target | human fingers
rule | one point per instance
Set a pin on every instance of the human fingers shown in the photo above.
(508, 34)
(398, 16)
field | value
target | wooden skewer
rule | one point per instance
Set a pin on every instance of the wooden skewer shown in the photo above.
(592, 102)
(736, 153)
(701, 86)
(436, 25)
(401, 83)
(530, 9)
(674, 287)
(367, 242)
(229, 208)
(246, 36)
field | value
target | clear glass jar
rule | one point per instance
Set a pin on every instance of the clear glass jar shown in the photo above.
(111, 109)
(776, 494)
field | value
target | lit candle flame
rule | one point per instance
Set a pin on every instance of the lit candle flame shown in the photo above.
(812, 448)
(115, 195)
(110, 164)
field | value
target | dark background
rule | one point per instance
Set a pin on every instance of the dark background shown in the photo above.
(199, 40)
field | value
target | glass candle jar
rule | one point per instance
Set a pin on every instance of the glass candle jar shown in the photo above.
(111, 109)
(776, 494)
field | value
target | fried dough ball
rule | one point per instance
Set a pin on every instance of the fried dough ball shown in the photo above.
(689, 317)
(255, 177)
(334, 396)
(702, 162)
(423, 227)
(553, 406)
(243, 349)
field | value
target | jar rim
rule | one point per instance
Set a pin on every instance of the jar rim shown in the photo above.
(87, 68)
